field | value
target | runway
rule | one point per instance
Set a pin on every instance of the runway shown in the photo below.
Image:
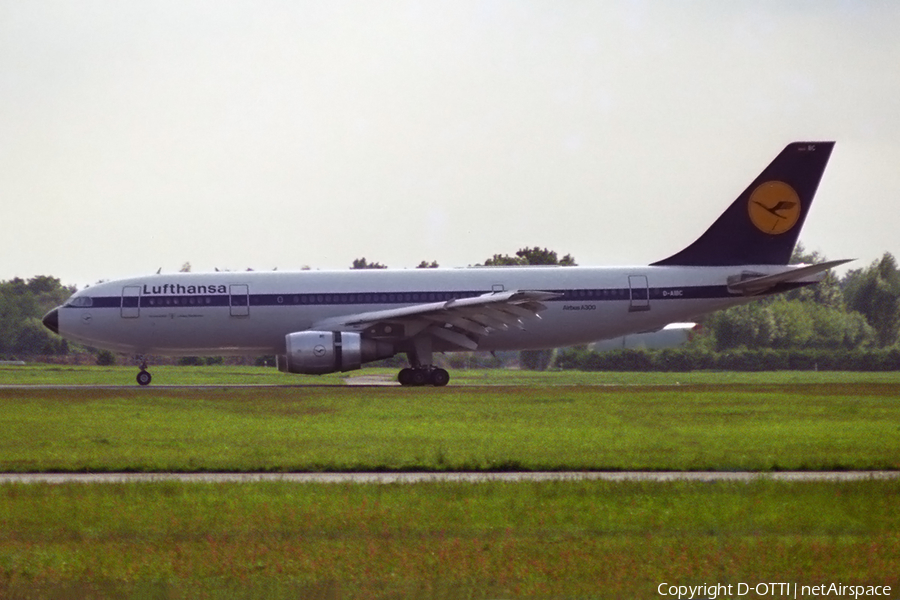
(452, 477)
(360, 381)
(198, 386)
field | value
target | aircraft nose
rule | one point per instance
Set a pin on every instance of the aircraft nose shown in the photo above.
(51, 320)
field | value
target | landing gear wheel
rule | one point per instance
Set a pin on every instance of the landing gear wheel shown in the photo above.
(144, 378)
(405, 376)
(418, 377)
(439, 377)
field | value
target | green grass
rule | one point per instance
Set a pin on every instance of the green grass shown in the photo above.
(584, 539)
(487, 540)
(341, 428)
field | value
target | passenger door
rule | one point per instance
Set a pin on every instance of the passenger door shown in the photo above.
(640, 293)
(240, 300)
(131, 302)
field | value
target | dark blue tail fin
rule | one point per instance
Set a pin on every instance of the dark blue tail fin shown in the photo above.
(762, 225)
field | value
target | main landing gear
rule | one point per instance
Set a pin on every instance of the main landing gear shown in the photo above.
(422, 371)
(424, 376)
(144, 377)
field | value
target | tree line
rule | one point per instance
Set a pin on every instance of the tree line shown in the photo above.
(859, 310)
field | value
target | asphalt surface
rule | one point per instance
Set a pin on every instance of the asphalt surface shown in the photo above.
(410, 478)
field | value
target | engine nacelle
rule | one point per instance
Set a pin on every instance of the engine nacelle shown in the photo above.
(319, 352)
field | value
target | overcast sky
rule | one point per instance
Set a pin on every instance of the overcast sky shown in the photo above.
(140, 135)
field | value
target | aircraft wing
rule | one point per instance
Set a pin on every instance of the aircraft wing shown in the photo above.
(757, 285)
(461, 321)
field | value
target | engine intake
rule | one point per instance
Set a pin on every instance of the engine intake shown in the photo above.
(319, 352)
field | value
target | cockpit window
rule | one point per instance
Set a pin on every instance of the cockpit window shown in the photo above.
(80, 302)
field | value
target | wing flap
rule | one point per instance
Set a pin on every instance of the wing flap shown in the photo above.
(460, 323)
(464, 342)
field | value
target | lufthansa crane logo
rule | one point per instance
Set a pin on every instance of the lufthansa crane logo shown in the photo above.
(774, 207)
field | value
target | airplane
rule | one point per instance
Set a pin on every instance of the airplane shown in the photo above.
(319, 322)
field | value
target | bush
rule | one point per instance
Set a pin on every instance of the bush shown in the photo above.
(535, 360)
(690, 359)
(105, 358)
(267, 360)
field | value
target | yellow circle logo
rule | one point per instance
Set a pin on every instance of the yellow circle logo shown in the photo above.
(774, 207)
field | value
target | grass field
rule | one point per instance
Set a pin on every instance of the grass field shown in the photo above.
(546, 540)
(719, 424)
(39, 374)
(486, 540)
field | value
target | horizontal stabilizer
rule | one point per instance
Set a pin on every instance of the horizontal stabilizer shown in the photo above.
(758, 285)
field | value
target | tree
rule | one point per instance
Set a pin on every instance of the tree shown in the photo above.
(362, 263)
(503, 260)
(827, 292)
(185, 268)
(793, 323)
(22, 304)
(530, 256)
(836, 328)
(748, 325)
(427, 265)
(784, 323)
(875, 292)
(33, 338)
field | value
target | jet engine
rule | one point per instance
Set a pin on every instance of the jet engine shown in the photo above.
(319, 352)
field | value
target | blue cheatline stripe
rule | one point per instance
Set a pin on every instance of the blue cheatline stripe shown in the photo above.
(366, 298)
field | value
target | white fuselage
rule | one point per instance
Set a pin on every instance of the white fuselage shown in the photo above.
(244, 313)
